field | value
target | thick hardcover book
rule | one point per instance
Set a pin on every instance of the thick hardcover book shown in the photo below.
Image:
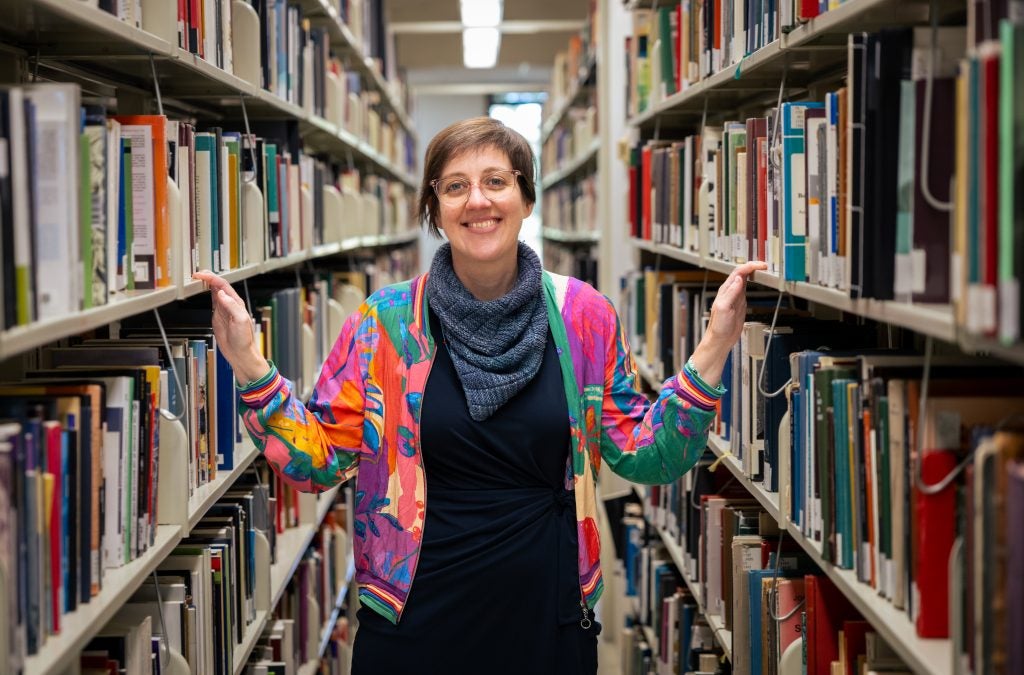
(931, 226)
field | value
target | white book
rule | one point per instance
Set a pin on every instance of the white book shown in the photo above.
(115, 282)
(58, 264)
(814, 198)
(143, 205)
(224, 205)
(209, 33)
(227, 48)
(204, 205)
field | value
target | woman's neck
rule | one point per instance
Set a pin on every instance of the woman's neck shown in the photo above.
(488, 281)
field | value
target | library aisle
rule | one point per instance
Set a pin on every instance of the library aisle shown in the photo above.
(858, 505)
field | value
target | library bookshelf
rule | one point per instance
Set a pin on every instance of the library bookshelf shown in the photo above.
(923, 656)
(144, 70)
(816, 60)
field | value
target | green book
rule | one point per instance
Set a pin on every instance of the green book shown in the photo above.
(666, 17)
(905, 193)
(1011, 177)
(824, 448)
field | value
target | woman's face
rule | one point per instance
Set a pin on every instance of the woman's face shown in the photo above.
(484, 226)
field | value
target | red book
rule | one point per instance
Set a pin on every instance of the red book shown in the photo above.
(634, 217)
(935, 516)
(808, 10)
(645, 192)
(990, 174)
(854, 635)
(55, 468)
(827, 610)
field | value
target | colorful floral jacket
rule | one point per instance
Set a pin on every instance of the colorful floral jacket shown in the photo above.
(363, 420)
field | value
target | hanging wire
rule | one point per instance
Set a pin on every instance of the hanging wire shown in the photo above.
(773, 601)
(248, 304)
(167, 414)
(774, 157)
(165, 647)
(156, 85)
(926, 130)
(937, 487)
(767, 351)
(250, 141)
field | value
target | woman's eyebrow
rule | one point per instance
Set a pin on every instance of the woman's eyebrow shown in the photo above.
(488, 170)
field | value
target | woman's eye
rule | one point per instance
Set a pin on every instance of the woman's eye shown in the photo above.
(496, 182)
(457, 186)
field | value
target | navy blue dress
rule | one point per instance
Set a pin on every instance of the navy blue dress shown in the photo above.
(496, 589)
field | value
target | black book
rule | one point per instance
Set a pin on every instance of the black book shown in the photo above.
(7, 268)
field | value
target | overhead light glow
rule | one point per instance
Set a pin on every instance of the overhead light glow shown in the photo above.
(480, 47)
(480, 13)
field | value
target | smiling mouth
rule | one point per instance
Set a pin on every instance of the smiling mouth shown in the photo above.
(482, 224)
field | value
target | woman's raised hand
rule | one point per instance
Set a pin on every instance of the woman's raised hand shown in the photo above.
(728, 312)
(233, 329)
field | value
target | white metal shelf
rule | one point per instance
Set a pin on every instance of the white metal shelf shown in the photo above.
(183, 75)
(934, 320)
(563, 106)
(60, 652)
(312, 666)
(291, 546)
(566, 237)
(769, 500)
(207, 495)
(22, 338)
(343, 39)
(776, 57)
(675, 551)
(574, 166)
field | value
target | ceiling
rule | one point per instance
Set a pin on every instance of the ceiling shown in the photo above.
(428, 42)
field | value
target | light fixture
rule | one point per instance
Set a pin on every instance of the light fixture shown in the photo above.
(480, 13)
(480, 47)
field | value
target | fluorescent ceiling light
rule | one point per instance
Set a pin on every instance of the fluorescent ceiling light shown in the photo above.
(480, 47)
(480, 13)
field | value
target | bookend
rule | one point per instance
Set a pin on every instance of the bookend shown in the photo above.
(172, 502)
(245, 41)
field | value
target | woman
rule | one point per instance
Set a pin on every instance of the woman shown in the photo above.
(501, 387)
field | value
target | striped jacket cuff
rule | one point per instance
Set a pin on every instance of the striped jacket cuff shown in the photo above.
(258, 393)
(697, 392)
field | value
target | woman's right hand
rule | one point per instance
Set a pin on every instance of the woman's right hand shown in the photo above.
(233, 328)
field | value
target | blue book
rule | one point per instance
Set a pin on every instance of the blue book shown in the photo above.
(687, 612)
(796, 461)
(794, 193)
(726, 402)
(227, 418)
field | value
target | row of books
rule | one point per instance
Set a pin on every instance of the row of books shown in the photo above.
(844, 437)
(570, 140)
(292, 637)
(574, 63)
(574, 261)
(757, 588)
(295, 60)
(831, 192)
(571, 206)
(680, 42)
(195, 611)
(137, 202)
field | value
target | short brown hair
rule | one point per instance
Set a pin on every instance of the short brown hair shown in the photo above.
(475, 133)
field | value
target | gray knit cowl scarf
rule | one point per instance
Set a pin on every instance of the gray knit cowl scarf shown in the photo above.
(496, 345)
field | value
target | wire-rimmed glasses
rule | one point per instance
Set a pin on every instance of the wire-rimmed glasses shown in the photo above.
(494, 186)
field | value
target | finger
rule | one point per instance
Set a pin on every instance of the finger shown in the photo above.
(748, 268)
(234, 308)
(216, 283)
(731, 291)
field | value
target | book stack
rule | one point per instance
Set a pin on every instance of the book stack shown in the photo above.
(679, 43)
(306, 614)
(573, 67)
(571, 141)
(295, 58)
(570, 207)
